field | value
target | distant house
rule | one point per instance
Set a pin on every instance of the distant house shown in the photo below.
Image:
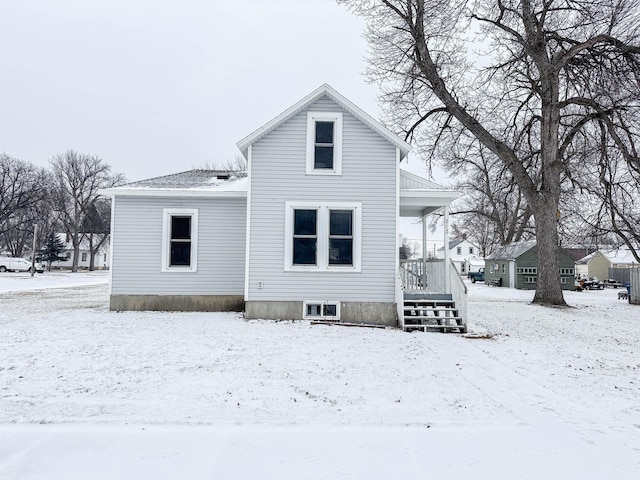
(595, 264)
(622, 261)
(516, 266)
(621, 258)
(101, 256)
(311, 231)
(464, 255)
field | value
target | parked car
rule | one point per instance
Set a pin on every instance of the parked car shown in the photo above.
(476, 276)
(592, 284)
(14, 264)
(611, 282)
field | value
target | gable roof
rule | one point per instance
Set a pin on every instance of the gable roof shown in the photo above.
(324, 90)
(199, 182)
(511, 251)
(455, 243)
(621, 256)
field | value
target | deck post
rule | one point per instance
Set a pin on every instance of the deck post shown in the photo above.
(424, 252)
(447, 270)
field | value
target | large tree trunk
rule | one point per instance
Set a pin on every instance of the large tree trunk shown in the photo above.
(544, 203)
(549, 288)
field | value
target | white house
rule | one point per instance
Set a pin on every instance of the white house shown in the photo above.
(101, 256)
(464, 255)
(311, 232)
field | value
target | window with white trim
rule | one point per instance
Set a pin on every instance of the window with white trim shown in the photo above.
(566, 271)
(530, 279)
(459, 251)
(321, 310)
(323, 236)
(528, 270)
(470, 250)
(324, 143)
(180, 240)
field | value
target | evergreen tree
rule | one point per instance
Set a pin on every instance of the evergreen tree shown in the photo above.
(53, 250)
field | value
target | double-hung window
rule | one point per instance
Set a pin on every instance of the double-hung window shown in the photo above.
(180, 240)
(323, 236)
(324, 143)
(305, 237)
(341, 237)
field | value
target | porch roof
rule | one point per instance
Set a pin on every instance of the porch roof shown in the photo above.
(420, 197)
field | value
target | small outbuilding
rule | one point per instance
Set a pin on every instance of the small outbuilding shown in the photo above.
(516, 266)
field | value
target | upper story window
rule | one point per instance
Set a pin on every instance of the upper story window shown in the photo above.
(180, 240)
(470, 250)
(459, 251)
(323, 236)
(324, 143)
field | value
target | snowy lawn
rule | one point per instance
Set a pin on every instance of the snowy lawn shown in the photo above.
(88, 393)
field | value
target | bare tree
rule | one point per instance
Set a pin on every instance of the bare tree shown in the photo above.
(96, 227)
(493, 210)
(553, 70)
(237, 166)
(77, 179)
(24, 191)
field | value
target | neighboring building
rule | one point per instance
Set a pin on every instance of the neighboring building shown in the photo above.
(595, 264)
(621, 258)
(516, 266)
(464, 255)
(622, 261)
(101, 257)
(310, 233)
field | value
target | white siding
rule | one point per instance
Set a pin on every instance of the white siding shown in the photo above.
(137, 247)
(278, 175)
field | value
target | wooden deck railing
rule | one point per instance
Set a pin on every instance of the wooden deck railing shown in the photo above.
(415, 276)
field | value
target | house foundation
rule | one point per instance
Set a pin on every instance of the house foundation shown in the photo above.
(178, 303)
(371, 313)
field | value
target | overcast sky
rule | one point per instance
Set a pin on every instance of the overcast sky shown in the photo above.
(160, 86)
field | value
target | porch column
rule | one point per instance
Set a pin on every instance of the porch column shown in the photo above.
(447, 270)
(424, 252)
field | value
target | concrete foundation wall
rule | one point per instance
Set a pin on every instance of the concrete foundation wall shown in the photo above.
(178, 303)
(378, 313)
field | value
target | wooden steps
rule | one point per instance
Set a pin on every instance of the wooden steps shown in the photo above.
(432, 313)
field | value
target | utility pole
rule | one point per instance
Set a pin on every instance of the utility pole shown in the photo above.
(33, 253)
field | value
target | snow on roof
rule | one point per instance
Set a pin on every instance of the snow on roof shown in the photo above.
(220, 182)
(452, 244)
(621, 256)
(84, 241)
(586, 259)
(324, 90)
(511, 251)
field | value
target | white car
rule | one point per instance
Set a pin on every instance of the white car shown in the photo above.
(11, 264)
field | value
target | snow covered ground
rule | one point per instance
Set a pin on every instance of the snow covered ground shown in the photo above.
(88, 393)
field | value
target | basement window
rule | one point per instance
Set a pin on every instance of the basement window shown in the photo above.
(321, 310)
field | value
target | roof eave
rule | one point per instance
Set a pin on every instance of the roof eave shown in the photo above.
(170, 192)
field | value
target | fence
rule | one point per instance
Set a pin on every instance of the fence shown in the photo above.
(634, 297)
